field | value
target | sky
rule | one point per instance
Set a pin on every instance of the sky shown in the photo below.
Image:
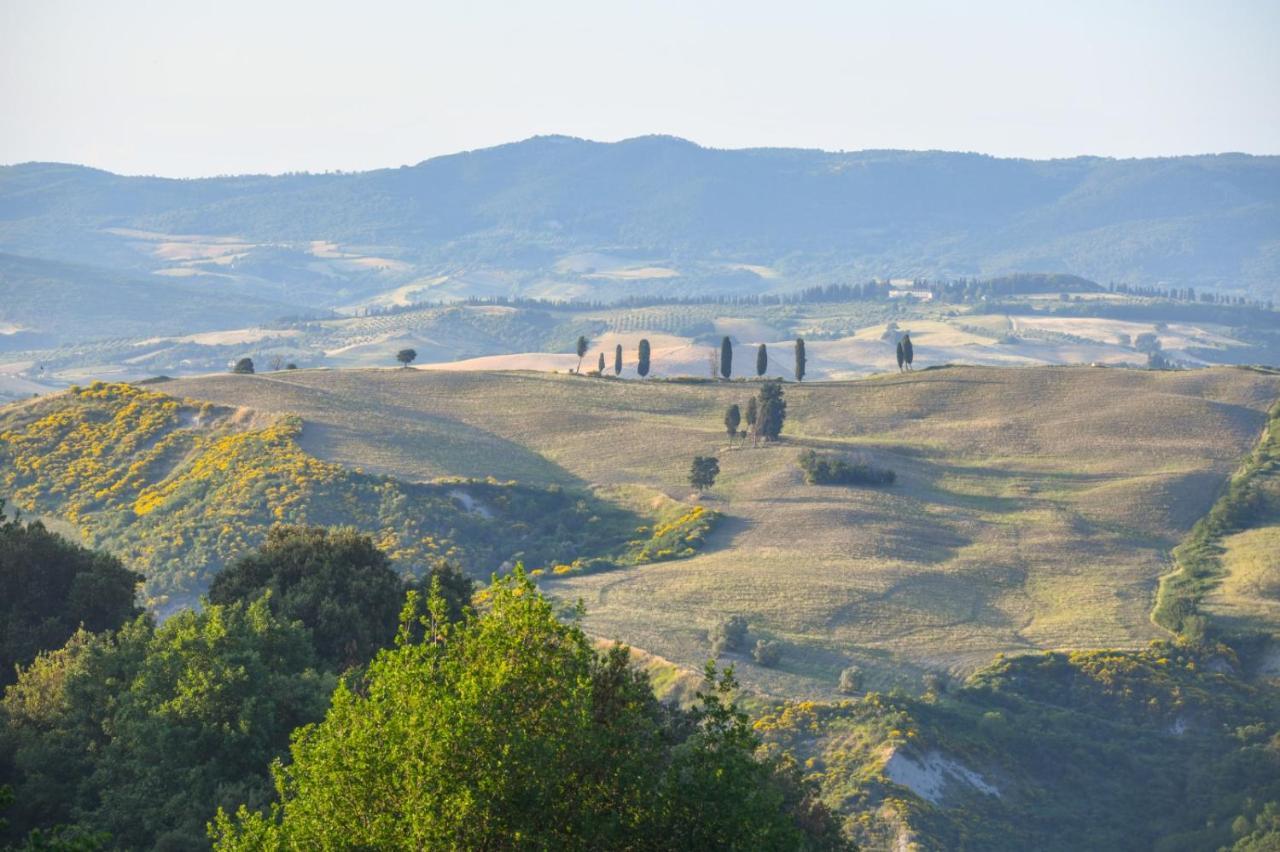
(188, 89)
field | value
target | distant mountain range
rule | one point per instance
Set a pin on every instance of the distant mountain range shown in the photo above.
(567, 218)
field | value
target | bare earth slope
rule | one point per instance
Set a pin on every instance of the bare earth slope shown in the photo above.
(1034, 508)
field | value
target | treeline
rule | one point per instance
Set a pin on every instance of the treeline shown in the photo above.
(1255, 315)
(411, 720)
(957, 290)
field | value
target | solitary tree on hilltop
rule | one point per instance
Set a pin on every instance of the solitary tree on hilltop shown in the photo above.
(726, 358)
(907, 353)
(732, 417)
(902, 356)
(582, 351)
(600, 365)
(642, 358)
(800, 359)
(762, 360)
(406, 357)
(703, 472)
(244, 365)
(617, 360)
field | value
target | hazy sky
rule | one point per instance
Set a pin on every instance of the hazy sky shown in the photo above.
(185, 88)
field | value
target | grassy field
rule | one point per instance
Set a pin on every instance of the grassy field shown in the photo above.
(1034, 508)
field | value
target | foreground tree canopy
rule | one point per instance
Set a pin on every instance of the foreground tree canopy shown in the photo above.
(510, 730)
(142, 733)
(49, 587)
(336, 582)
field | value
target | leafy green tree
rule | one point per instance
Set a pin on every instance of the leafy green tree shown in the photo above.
(908, 352)
(143, 733)
(406, 356)
(617, 360)
(732, 417)
(49, 587)
(336, 582)
(800, 359)
(510, 730)
(581, 349)
(446, 580)
(244, 365)
(762, 360)
(726, 358)
(902, 355)
(642, 358)
(703, 472)
(773, 411)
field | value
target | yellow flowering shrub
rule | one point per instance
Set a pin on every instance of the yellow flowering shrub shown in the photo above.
(177, 489)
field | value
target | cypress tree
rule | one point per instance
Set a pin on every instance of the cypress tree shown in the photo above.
(732, 417)
(773, 411)
(726, 358)
(907, 353)
(642, 359)
(902, 356)
(600, 366)
(617, 360)
(752, 411)
(582, 351)
(762, 360)
(800, 359)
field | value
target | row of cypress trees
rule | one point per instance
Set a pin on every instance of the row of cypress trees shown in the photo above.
(762, 359)
(905, 355)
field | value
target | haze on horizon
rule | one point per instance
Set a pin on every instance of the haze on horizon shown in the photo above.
(185, 89)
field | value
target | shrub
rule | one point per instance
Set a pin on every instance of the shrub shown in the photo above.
(730, 634)
(827, 469)
(851, 680)
(767, 652)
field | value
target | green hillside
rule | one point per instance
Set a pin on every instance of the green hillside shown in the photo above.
(1031, 517)
(1033, 509)
(1167, 748)
(178, 488)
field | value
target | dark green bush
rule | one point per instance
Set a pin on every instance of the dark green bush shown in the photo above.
(828, 469)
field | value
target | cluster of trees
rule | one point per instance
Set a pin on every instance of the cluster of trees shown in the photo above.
(1188, 294)
(414, 721)
(50, 587)
(244, 366)
(510, 729)
(830, 469)
(643, 353)
(906, 352)
(730, 635)
(765, 415)
(116, 728)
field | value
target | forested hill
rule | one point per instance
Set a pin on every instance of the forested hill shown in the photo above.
(667, 215)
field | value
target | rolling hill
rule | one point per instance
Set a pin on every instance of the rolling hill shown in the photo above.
(1033, 515)
(46, 303)
(1034, 508)
(561, 217)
